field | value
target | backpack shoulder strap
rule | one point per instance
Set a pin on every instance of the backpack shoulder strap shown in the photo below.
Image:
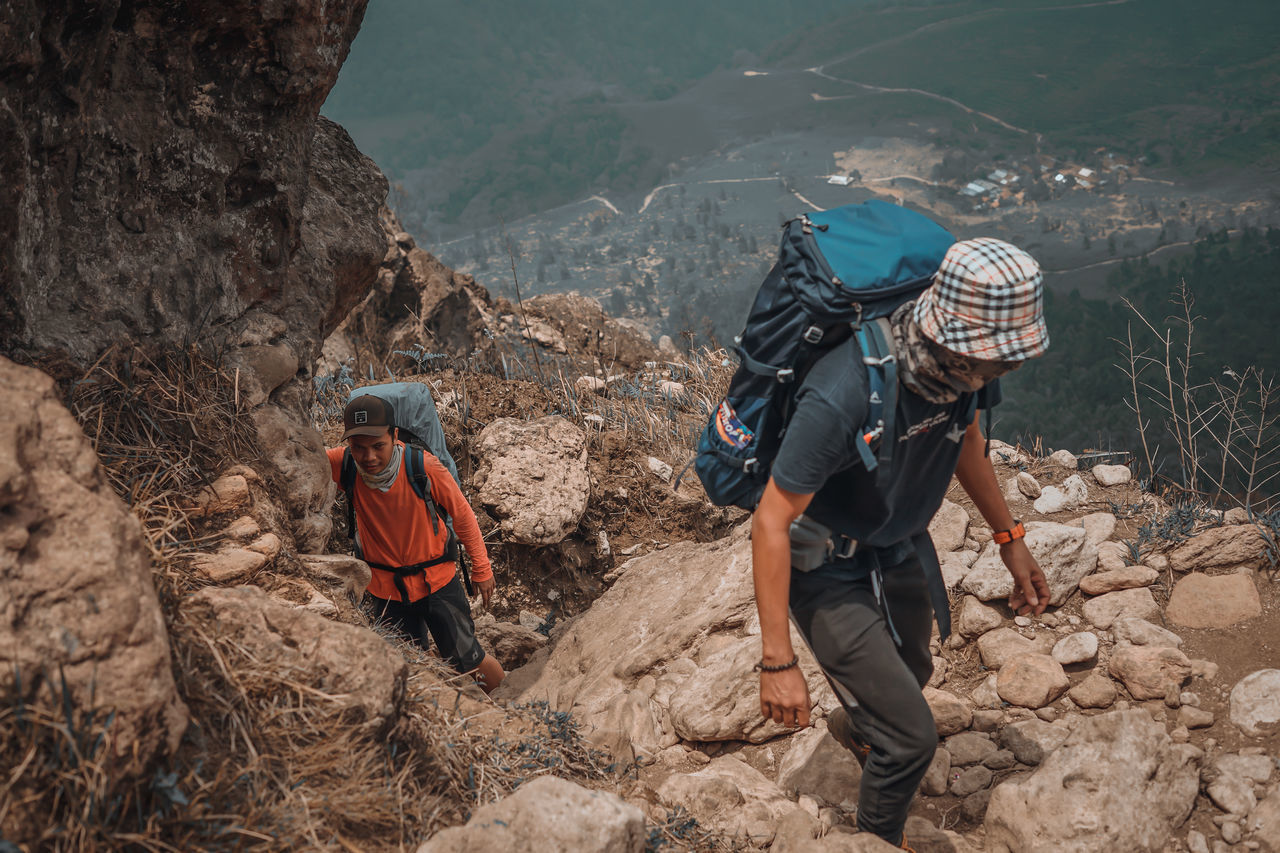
(416, 467)
(882, 379)
(347, 482)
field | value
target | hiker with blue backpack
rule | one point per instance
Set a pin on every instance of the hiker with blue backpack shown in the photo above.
(403, 508)
(868, 354)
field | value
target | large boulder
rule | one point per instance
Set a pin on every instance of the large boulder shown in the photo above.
(1226, 547)
(533, 477)
(672, 627)
(731, 796)
(1063, 552)
(547, 815)
(168, 181)
(1148, 672)
(1213, 601)
(1117, 783)
(816, 765)
(76, 597)
(949, 527)
(355, 667)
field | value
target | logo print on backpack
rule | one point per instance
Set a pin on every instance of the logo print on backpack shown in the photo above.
(730, 428)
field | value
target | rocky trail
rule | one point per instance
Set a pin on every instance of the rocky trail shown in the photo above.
(197, 268)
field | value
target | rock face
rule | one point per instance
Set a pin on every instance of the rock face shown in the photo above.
(168, 180)
(650, 636)
(1117, 783)
(547, 814)
(351, 664)
(1063, 552)
(1217, 601)
(75, 578)
(533, 477)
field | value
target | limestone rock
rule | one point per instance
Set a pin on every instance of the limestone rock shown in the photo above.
(1063, 458)
(1063, 552)
(1231, 793)
(1079, 647)
(1220, 548)
(1098, 526)
(1113, 556)
(1104, 610)
(955, 565)
(951, 714)
(547, 814)
(231, 564)
(1031, 681)
(1255, 702)
(1096, 691)
(1149, 671)
(816, 765)
(1263, 823)
(1255, 768)
(1112, 475)
(533, 477)
(938, 776)
(977, 618)
(1140, 632)
(628, 727)
(350, 663)
(510, 643)
(1002, 645)
(660, 469)
(721, 701)
(1213, 601)
(731, 796)
(1031, 740)
(648, 623)
(352, 573)
(949, 527)
(969, 748)
(75, 581)
(1028, 485)
(1117, 783)
(591, 385)
(985, 695)
(227, 494)
(1071, 493)
(1129, 577)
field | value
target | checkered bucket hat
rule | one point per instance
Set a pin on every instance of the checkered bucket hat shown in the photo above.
(986, 302)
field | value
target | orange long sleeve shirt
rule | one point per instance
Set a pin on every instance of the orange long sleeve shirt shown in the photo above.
(395, 529)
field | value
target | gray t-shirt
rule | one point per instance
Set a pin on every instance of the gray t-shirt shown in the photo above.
(819, 454)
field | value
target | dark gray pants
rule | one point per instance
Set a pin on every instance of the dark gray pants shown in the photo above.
(844, 624)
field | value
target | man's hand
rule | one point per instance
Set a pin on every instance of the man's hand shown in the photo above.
(784, 697)
(1030, 589)
(486, 591)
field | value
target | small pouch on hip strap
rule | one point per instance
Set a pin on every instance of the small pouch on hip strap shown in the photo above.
(811, 544)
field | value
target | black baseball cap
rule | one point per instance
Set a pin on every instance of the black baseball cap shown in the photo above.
(367, 415)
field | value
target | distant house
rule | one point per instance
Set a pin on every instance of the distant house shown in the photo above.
(1000, 176)
(840, 180)
(1085, 172)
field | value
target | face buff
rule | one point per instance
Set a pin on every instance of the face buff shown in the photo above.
(922, 368)
(386, 478)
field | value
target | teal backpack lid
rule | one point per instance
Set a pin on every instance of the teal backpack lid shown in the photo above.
(877, 246)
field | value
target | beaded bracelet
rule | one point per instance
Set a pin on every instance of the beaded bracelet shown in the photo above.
(763, 667)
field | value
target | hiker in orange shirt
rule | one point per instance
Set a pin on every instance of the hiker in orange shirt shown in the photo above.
(415, 586)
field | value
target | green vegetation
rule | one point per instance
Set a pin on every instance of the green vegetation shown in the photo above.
(1075, 395)
(481, 96)
(1186, 84)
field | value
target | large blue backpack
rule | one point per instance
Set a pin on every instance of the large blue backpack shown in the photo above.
(838, 272)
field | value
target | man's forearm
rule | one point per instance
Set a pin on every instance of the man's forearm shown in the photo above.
(771, 572)
(978, 479)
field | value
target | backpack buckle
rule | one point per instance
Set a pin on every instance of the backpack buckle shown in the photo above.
(843, 547)
(786, 374)
(749, 466)
(813, 334)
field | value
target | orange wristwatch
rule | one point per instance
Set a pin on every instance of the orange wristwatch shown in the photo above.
(1004, 537)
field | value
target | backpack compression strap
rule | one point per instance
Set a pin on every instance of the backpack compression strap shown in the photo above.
(416, 463)
(347, 482)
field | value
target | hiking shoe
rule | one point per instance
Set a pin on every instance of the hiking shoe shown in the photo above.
(904, 844)
(841, 728)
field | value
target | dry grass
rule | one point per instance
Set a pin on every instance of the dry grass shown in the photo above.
(269, 762)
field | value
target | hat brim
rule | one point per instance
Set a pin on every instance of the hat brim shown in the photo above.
(366, 430)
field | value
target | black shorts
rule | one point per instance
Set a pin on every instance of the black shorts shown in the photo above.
(445, 613)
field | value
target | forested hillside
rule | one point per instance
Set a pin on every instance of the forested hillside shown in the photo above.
(1077, 391)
